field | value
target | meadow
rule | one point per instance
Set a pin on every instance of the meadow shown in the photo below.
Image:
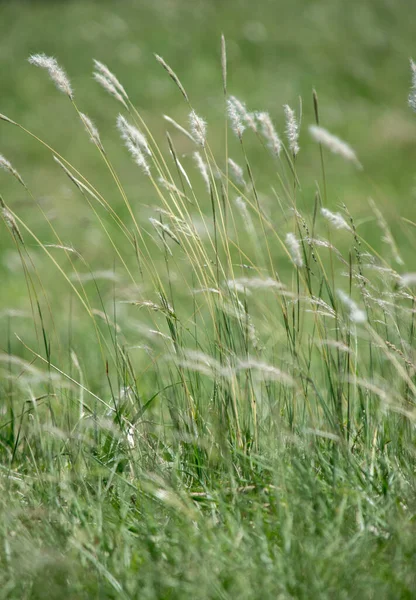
(207, 309)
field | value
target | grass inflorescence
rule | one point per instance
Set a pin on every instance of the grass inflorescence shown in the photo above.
(227, 407)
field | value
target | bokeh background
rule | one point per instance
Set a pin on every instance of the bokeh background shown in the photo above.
(355, 54)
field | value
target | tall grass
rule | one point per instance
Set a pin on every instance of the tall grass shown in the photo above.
(227, 407)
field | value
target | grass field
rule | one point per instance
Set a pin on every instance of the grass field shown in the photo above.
(207, 374)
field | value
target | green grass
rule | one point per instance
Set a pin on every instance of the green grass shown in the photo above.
(186, 413)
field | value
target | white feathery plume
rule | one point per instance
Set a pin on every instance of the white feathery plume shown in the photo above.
(334, 144)
(92, 131)
(178, 127)
(335, 344)
(56, 73)
(171, 187)
(138, 157)
(183, 172)
(292, 129)
(237, 124)
(236, 171)
(335, 219)
(129, 132)
(207, 291)
(105, 72)
(256, 283)
(239, 116)
(269, 132)
(7, 166)
(224, 63)
(294, 249)
(135, 142)
(355, 313)
(109, 87)
(172, 75)
(247, 116)
(408, 279)
(203, 169)
(198, 128)
(10, 220)
(164, 228)
(412, 94)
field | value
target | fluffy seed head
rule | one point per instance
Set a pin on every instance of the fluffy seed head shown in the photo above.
(203, 169)
(135, 142)
(92, 131)
(269, 132)
(234, 115)
(130, 133)
(408, 279)
(256, 283)
(412, 94)
(236, 171)
(7, 166)
(56, 73)
(164, 228)
(335, 219)
(239, 116)
(224, 63)
(109, 87)
(292, 129)
(294, 248)
(355, 313)
(198, 128)
(105, 72)
(172, 75)
(178, 127)
(334, 144)
(10, 220)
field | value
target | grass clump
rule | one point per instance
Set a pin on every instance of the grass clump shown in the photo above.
(219, 401)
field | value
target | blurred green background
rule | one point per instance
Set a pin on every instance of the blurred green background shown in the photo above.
(356, 55)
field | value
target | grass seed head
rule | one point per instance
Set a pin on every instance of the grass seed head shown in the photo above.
(224, 63)
(10, 221)
(203, 169)
(198, 128)
(109, 87)
(179, 127)
(412, 94)
(292, 130)
(295, 249)
(356, 315)
(334, 144)
(236, 172)
(56, 73)
(172, 75)
(269, 133)
(135, 142)
(336, 219)
(240, 117)
(7, 166)
(408, 279)
(105, 72)
(92, 131)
